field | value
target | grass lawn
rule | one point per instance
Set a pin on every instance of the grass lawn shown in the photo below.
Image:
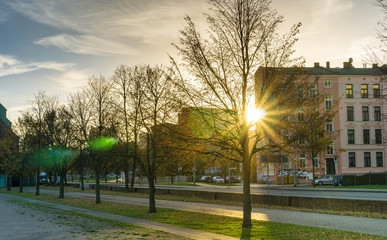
(201, 200)
(359, 187)
(205, 222)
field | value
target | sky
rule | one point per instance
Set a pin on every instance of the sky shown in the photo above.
(57, 45)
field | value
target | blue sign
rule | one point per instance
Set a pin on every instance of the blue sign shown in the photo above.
(194, 169)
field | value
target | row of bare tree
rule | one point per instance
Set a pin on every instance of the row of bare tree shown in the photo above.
(217, 77)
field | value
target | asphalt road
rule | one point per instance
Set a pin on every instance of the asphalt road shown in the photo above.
(338, 193)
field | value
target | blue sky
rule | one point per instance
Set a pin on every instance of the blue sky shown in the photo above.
(56, 45)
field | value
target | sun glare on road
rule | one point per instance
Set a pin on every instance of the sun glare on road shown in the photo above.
(255, 114)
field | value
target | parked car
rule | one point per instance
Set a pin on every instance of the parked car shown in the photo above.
(43, 178)
(338, 180)
(218, 179)
(206, 179)
(233, 179)
(327, 179)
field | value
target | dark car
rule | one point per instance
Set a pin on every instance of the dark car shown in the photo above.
(43, 178)
(206, 179)
(233, 179)
(338, 181)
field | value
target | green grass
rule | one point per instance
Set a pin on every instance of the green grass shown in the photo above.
(359, 187)
(206, 222)
(213, 201)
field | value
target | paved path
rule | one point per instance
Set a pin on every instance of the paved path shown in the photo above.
(185, 233)
(347, 223)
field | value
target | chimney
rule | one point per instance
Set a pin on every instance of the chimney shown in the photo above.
(374, 65)
(328, 65)
(316, 64)
(346, 64)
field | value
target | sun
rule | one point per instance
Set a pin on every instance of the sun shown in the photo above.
(255, 114)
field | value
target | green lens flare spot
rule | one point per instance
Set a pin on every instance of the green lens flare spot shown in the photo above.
(102, 143)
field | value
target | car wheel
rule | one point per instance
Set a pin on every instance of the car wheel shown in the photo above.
(340, 184)
(320, 183)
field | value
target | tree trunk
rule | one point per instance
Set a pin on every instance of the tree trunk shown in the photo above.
(126, 171)
(21, 181)
(152, 191)
(61, 185)
(246, 190)
(133, 175)
(55, 179)
(97, 194)
(37, 188)
(81, 176)
(105, 177)
(172, 179)
(8, 179)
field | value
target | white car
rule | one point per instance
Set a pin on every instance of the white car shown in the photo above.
(328, 179)
(218, 179)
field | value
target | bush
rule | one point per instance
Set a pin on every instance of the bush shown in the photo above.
(365, 179)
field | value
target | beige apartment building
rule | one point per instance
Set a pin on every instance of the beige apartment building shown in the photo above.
(360, 146)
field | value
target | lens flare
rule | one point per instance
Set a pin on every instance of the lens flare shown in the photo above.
(102, 143)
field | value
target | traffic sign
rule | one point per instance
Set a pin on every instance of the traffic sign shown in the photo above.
(194, 169)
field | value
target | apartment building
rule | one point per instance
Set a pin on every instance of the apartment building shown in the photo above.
(361, 120)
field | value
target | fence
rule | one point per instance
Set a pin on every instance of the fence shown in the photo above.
(365, 179)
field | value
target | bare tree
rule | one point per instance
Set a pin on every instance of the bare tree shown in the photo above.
(99, 90)
(242, 36)
(79, 108)
(130, 95)
(156, 110)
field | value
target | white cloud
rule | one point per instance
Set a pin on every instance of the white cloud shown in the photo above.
(11, 66)
(108, 27)
(72, 80)
(86, 44)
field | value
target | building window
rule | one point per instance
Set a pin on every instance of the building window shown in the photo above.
(379, 159)
(377, 113)
(378, 136)
(350, 113)
(364, 91)
(365, 113)
(330, 149)
(302, 161)
(352, 159)
(313, 91)
(351, 136)
(301, 93)
(349, 90)
(328, 83)
(329, 127)
(328, 102)
(376, 90)
(366, 136)
(316, 162)
(367, 159)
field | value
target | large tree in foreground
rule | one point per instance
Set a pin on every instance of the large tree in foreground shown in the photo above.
(242, 35)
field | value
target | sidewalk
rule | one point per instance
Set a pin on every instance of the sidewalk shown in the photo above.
(346, 223)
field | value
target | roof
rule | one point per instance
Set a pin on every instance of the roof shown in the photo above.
(344, 71)
(319, 70)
